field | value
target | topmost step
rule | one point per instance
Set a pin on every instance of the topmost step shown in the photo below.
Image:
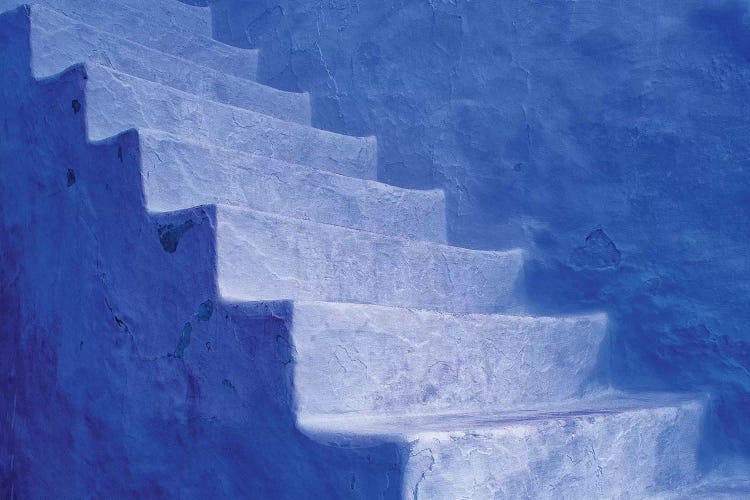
(156, 27)
(165, 25)
(156, 14)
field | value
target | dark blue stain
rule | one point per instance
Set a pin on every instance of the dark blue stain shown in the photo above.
(187, 330)
(205, 311)
(266, 22)
(597, 253)
(71, 177)
(170, 234)
(75, 105)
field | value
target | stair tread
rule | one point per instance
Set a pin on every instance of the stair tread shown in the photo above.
(263, 256)
(372, 359)
(180, 172)
(59, 42)
(514, 252)
(116, 101)
(596, 449)
(408, 426)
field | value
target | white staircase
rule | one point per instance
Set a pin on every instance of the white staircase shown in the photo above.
(397, 336)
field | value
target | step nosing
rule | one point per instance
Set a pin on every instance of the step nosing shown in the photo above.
(451, 314)
(488, 418)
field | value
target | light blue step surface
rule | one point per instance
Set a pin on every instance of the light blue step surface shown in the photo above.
(59, 42)
(134, 15)
(612, 447)
(179, 173)
(158, 25)
(116, 102)
(264, 256)
(370, 360)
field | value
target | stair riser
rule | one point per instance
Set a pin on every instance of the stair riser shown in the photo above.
(627, 455)
(264, 257)
(118, 102)
(116, 15)
(181, 174)
(58, 42)
(421, 363)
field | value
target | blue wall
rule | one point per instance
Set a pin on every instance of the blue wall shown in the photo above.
(607, 138)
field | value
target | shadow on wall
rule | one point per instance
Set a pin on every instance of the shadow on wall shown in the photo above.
(608, 140)
(126, 376)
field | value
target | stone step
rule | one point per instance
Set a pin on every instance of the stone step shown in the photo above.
(156, 31)
(263, 256)
(59, 42)
(116, 102)
(603, 448)
(116, 15)
(179, 173)
(717, 486)
(375, 360)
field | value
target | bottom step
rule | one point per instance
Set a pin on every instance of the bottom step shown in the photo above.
(725, 486)
(597, 448)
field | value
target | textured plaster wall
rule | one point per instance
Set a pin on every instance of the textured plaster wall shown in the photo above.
(609, 138)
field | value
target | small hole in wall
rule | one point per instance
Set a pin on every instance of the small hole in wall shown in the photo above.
(76, 105)
(71, 177)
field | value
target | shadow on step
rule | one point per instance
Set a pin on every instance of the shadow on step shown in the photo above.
(124, 373)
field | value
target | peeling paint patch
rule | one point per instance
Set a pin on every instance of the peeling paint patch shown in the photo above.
(187, 330)
(205, 311)
(599, 252)
(169, 234)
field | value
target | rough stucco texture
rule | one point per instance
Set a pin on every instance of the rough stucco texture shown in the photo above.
(112, 329)
(608, 138)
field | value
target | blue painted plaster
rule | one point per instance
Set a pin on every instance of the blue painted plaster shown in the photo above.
(608, 138)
